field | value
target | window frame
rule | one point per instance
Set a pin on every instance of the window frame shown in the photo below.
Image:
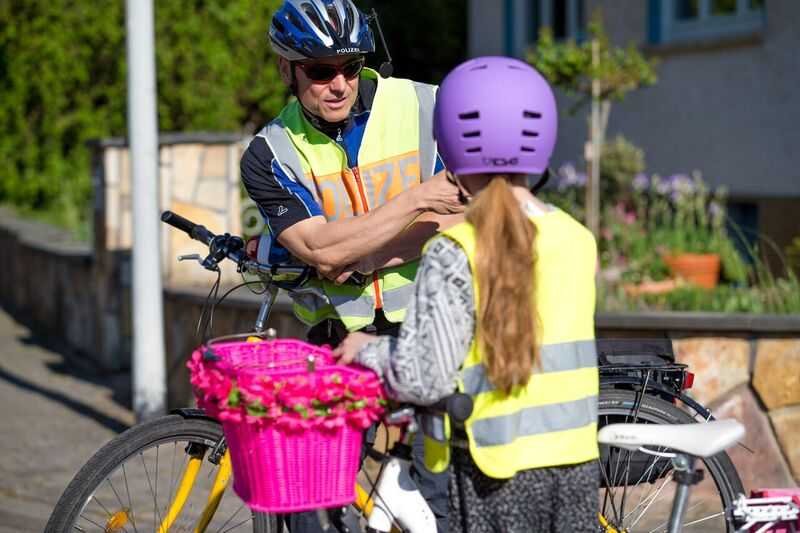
(541, 14)
(707, 26)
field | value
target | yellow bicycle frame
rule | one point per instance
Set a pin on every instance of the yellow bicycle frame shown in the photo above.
(185, 486)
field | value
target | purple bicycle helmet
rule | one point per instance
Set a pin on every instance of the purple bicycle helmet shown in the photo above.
(495, 114)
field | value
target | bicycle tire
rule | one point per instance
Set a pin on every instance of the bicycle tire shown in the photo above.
(620, 406)
(81, 509)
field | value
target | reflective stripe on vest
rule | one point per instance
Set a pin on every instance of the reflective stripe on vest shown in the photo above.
(553, 419)
(396, 153)
(554, 358)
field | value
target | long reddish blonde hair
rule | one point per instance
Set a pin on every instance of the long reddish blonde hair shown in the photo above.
(504, 268)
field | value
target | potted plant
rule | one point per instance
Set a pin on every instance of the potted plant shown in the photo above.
(686, 222)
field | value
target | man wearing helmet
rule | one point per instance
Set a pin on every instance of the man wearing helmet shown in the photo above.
(348, 180)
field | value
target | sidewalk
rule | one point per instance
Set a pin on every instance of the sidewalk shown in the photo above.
(53, 418)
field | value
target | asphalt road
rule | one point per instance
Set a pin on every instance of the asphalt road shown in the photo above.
(55, 413)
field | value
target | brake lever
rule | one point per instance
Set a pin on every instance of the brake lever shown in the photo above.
(190, 257)
(209, 263)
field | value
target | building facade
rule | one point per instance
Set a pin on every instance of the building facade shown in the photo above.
(725, 102)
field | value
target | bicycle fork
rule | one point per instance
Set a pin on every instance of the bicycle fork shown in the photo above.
(221, 480)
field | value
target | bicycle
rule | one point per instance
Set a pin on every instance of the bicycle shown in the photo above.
(683, 445)
(639, 383)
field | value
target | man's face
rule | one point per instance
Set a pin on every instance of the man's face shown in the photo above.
(330, 100)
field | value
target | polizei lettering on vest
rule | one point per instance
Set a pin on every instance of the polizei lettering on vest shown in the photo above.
(382, 181)
(348, 51)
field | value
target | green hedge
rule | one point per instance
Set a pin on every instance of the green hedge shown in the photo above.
(62, 79)
(62, 82)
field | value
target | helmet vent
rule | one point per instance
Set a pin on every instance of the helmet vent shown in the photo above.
(527, 149)
(472, 115)
(531, 114)
(336, 22)
(480, 67)
(312, 16)
(469, 134)
(529, 133)
(350, 17)
(294, 20)
(474, 150)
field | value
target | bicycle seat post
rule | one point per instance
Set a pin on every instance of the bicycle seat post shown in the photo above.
(266, 307)
(685, 476)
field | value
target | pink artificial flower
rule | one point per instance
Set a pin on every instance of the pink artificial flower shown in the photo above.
(332, 423)
(360, 418)
(227, 415)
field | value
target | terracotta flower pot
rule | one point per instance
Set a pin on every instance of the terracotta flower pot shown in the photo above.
(700, 269)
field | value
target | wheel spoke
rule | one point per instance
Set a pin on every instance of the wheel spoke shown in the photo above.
(130, 503)
(231, 517)
(637, 489)
(653, 499)
(156, 514)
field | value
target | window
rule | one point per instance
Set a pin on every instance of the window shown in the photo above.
(565, 17)
(696, 20)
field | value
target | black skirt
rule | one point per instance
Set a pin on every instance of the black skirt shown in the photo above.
(562, 499)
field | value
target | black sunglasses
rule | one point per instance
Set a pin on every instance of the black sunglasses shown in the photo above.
(325, 72)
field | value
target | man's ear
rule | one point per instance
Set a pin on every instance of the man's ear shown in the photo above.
(285, 69)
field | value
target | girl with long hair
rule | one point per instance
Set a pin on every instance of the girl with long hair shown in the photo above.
(503, 310)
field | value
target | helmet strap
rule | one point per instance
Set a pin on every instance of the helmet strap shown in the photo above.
(545, 177)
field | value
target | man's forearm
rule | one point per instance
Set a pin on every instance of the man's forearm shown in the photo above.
(408, 245)
(330, 246)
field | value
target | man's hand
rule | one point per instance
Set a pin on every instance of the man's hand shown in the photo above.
(346, 352)
(440, 195)
(366, 265)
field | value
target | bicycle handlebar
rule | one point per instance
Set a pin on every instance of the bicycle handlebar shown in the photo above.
(221, 247)
(195, 231)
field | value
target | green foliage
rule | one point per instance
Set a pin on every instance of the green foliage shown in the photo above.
(782, 296)
(62, 82)
(568, 65)
(620, 163)
(793, 255)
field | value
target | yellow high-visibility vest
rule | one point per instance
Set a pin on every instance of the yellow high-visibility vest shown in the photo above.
(397, 152)
(553, 419)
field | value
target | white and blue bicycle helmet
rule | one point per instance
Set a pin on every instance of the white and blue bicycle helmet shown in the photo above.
(313, 29)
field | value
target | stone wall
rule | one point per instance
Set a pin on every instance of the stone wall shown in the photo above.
(746, 367)
(198, 179)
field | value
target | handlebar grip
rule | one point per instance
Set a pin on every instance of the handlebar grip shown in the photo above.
(177, 221)
(195, 231)
(458, 406)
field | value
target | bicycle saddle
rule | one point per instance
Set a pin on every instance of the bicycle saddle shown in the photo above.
(699, 440)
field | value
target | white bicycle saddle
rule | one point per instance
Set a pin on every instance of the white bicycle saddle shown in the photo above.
(700, 440)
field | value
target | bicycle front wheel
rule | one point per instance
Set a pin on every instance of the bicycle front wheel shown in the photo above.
(156, 477)
(637, 488)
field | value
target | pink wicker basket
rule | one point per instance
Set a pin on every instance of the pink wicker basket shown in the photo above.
(276, 470)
